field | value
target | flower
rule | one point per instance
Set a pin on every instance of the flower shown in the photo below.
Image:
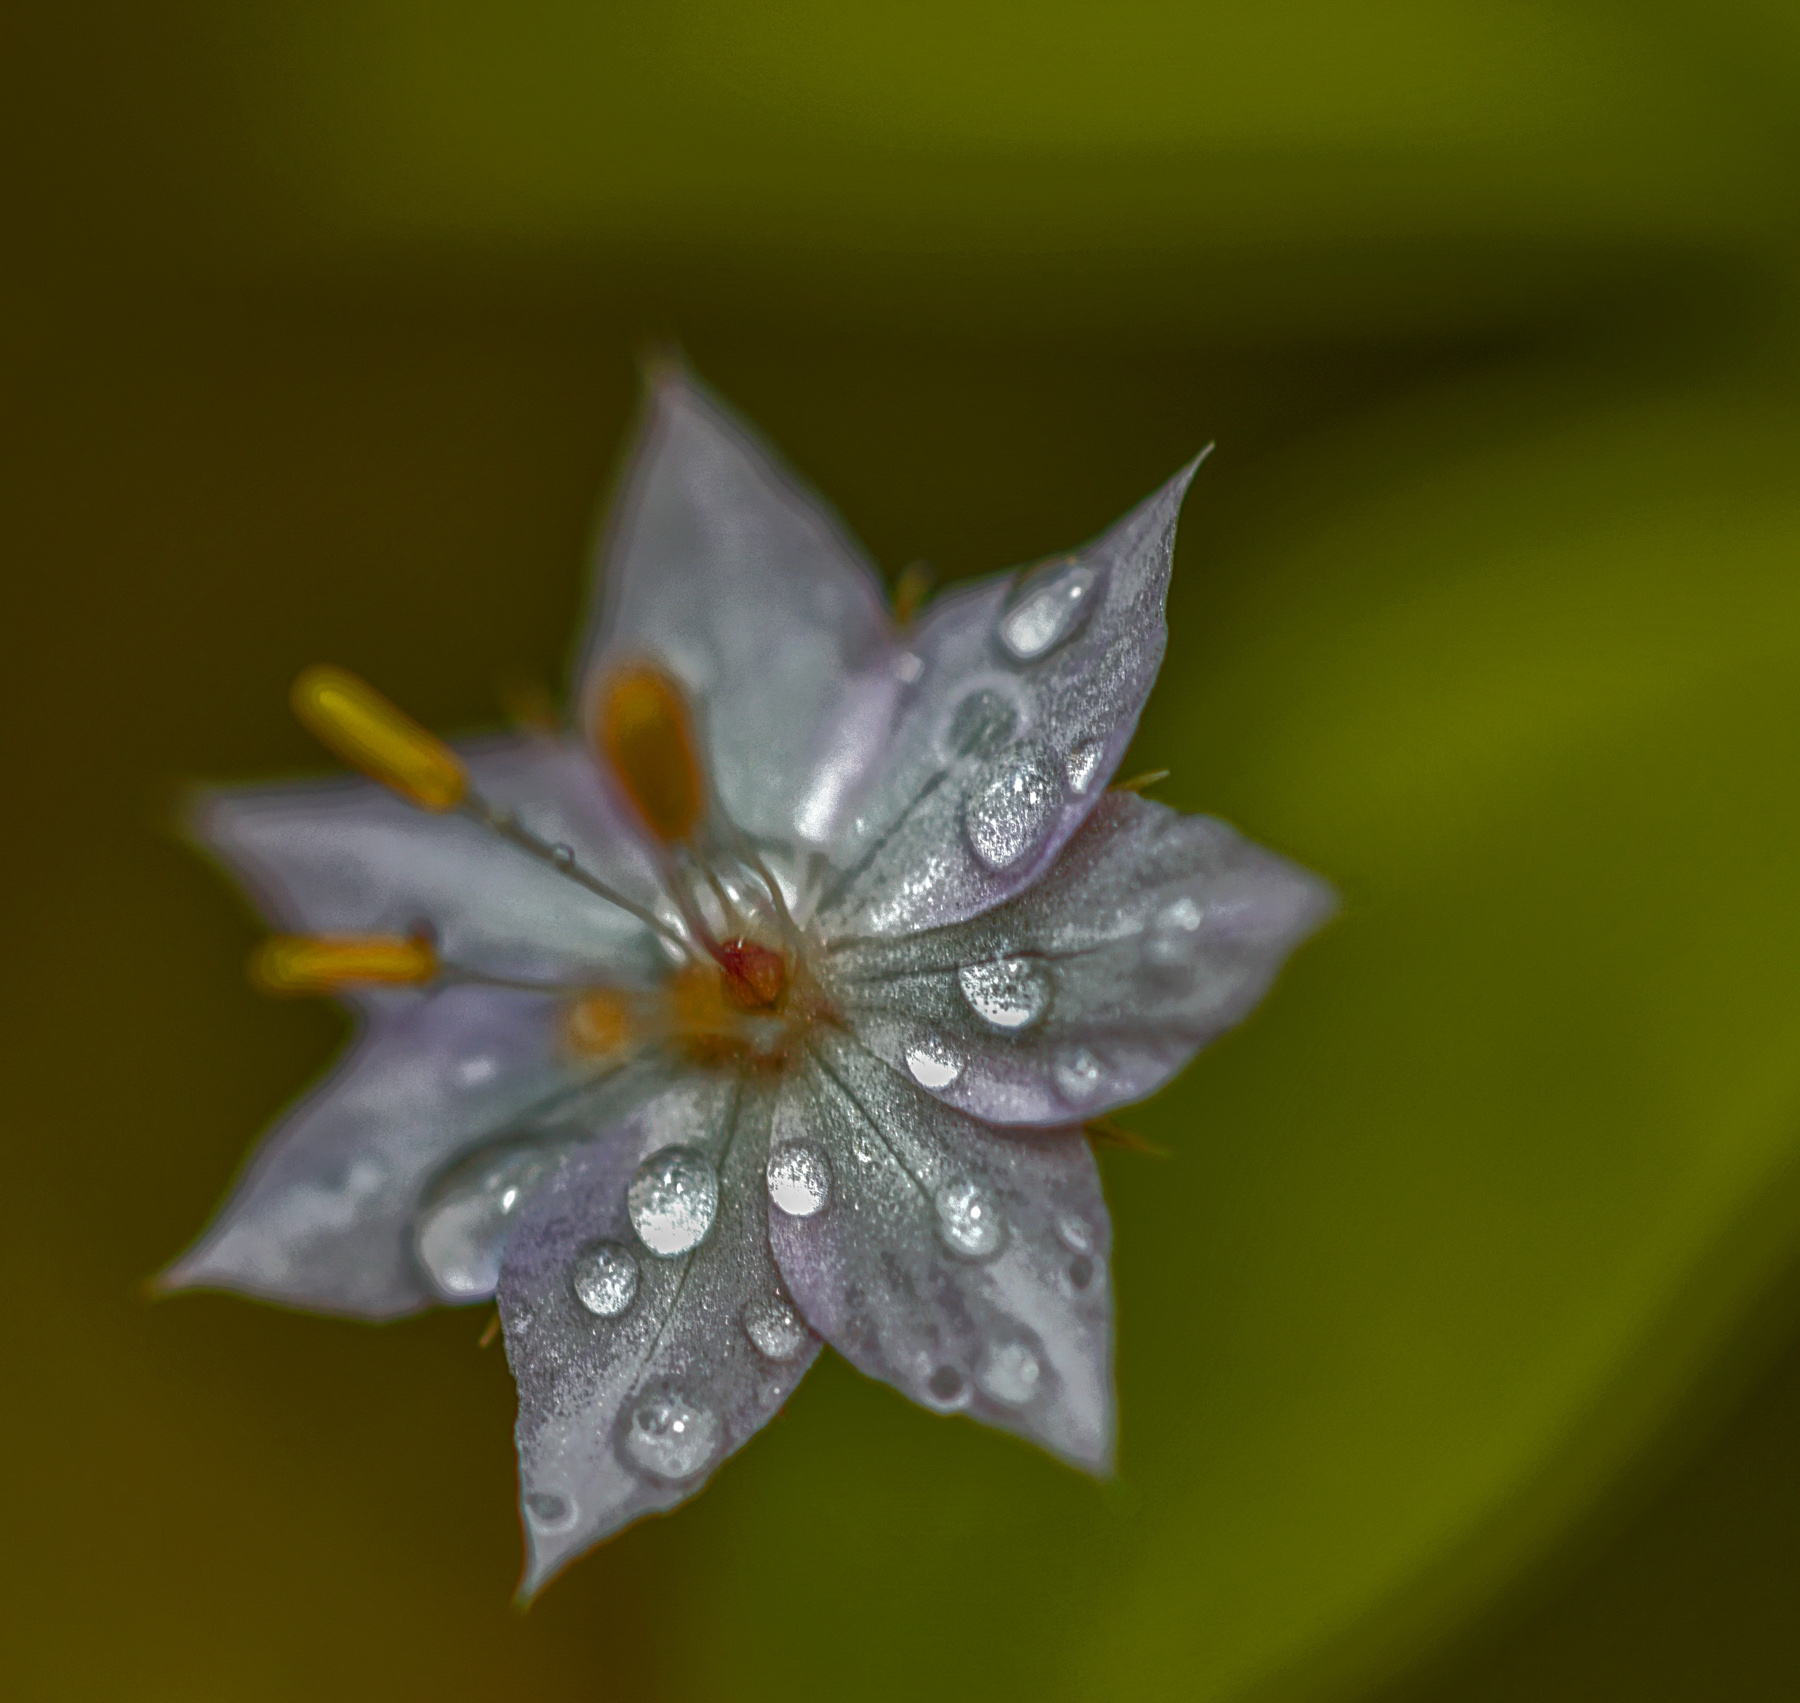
(766, 1007)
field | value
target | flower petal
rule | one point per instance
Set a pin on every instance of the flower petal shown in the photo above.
(328, 1212)
(1151, 934)
(349, 857)
(964, 1266)
(725, 569)
(629, 1397)
(1027, 692)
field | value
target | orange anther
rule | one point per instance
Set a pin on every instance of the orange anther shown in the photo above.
(598, 1023)
(304, 963)
(642, 726)
(371, 734)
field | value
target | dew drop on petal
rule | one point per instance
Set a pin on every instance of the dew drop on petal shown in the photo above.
(968, 1218)
(932, 1063)
(1083, 763)
(668, 1437)
(1047, 609)
(1009, 1374)
(981, 725)
(550, 1512)
(799, 1179)
(462, 1225)
(1006, 993)
(947, 1387)
(771, 1323)
(563, 856)
(1078, 1074)
(672, 1199)
(1012, 807)
(1074, 1234)
(606, 1279)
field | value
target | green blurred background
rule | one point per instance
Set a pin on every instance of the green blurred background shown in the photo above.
(1457, 1333)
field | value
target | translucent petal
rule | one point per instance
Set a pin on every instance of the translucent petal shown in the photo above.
(965, 1266)
(627, 1406)
(725, 569)
(327, 1214)
(350, 857)
(1149, 936)
(1023, 694)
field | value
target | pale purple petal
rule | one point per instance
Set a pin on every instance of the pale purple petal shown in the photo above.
(349, 857)
(1024, 694)
(964, 1265)
(638, 1372)
(725, 569)
(328, 1213)
(1150, 935)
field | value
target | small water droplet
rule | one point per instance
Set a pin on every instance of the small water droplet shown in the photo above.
(1083, 763)
(1011, 808)
(672, 1199)
(932, 1063)
(563, 856)
(606, 1279)
(1049, 606)
(771, 1323)
(668, 1437)
(550, 1512)
(1007, 993)
(1170, 943)
(968, 1218)
(981, 725)
(1009, 1374)
(472, 1072)
(799, 1179)
(908, 667)
(1075, 1234)
(1081, 1271)
(1078, 1074)
(462, 1225)
(947, 1387)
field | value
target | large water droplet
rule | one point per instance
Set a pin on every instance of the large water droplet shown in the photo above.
(605, 1279)
(799, 1179)
(1047, 609)
(668, 1437)
(778, 1332)
(462, 1225)
(1009, 1374)
(968, 1218)
(1011, 808)
(1083, 763)
(550, 1512)
(1008, 993)
(981, 724)
(932, 1063)
(1078, 1074)
(672, 1199)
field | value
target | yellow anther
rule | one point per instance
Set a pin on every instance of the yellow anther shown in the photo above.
(370, 734)
(598, 1024)
(314, 963)
(642, 726)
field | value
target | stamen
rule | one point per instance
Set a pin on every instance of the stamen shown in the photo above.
(599, 1024)
(304, 963)
(910, 591)
(350, 717)
(1143, 782)
(642, 726)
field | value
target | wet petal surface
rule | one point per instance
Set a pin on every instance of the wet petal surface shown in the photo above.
(1022, 695)
(643, 1359)
(1150, 935)
(964, 1266)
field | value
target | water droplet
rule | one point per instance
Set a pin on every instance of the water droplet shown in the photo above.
(563, 856)
(1078, 1074)
(462, 1225)
(1083, 763)
(668, 1437)
(947, 1387)
(933, 1065)
(799, 1179)
(1009, 1374)
(777, 1330)
(606, 1279)
(550, 1512)
(1170, 943)
(908, 667)
(1047, 609)
(981, 724)
(1009, 993)
(1011, 808)
(1081, 1271)
(968, 1218)
(472, 1072)
(1075, 1234)
(672, 1199)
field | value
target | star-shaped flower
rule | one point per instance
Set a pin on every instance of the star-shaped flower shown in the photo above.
(766, 1006)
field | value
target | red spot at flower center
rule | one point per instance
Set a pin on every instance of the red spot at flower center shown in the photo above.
(755, 976)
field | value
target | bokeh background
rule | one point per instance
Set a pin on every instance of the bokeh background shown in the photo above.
(1456, 1331)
